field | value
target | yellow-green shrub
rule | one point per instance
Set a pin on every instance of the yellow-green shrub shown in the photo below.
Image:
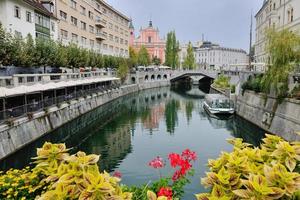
(59, 175)
(265, 173)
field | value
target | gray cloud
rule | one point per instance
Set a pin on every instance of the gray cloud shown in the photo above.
(226, 22)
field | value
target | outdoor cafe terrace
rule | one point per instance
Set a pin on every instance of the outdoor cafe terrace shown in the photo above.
(25, 93)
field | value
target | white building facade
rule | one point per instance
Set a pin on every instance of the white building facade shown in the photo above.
(214, 57)
(277, 14)
(23, 17)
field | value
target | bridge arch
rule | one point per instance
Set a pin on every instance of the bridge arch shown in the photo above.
(133, 81)
(146, 78)
(158, 77)
(165, 76)
(152, 77)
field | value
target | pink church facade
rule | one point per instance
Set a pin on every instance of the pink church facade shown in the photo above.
(149, 37)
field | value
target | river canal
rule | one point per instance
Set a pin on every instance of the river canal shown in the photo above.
(132, 130)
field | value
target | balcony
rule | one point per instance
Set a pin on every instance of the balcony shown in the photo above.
(100, 36)
(100, 22)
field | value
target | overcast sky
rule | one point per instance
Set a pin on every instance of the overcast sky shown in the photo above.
(226, 22)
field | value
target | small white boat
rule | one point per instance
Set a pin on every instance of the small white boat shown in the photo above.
(218, 104)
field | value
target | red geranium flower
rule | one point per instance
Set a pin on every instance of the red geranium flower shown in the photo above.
(175, 159)
(165, 192)
(117, 174)
(157, 163)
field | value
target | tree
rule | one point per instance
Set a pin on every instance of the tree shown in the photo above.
(189, 60)
(60, 56)
(73, 54)
(156, 60)
(143, 57)
(16, 51)
(123, 71)
(172, 48)
(284, 52)
(133, 57)
(6, 47)
(28, 51)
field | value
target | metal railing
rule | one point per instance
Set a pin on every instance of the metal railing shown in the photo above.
(30, 79)
(22, 110)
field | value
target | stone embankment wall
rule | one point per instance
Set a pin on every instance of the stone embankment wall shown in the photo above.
(25, 130)
(280, 119)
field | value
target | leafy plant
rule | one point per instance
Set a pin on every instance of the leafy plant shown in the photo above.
(268, 172)
(222, 82)
(59, 175)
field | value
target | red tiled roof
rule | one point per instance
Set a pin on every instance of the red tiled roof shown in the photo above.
(39, 7)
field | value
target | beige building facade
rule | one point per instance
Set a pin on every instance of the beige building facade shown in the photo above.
(277, 14)
(93, 24)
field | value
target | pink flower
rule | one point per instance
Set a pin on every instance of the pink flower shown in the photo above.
(157, 163)
(117, 174)
(189, 155)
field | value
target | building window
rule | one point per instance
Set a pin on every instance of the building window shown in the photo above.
(83, 10)
(74, 38)
(83, 40)
(91, 15)
(42, 20)
(149, 39)
(74, 21)
(73, 4)
(92, 43)
(111, 37)
(98, 6)
(105, 46)
(83, 25)
(117, 39)
(91, 29)
(52, 26)
(63, 34)
(17, 12)
(292, 15)
(117, 29)
(63, 15)
(28, 16)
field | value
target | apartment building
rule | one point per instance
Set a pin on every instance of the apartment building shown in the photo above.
(277, 14)
(93, 24)
(23, 17)
(214, 57)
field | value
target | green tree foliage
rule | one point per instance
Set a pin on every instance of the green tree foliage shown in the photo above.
(133, 57)
(156, 60)
(284, 52)
(172, 49)
(222, 82)
(46, 52)
(28, 51)
(189, 60)
(143, 57)
(6, 50)
(123, 70)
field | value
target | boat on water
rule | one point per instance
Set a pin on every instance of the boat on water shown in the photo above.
(218, 104)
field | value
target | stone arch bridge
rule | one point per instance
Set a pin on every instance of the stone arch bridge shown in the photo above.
(172, 76)
(193, 75)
